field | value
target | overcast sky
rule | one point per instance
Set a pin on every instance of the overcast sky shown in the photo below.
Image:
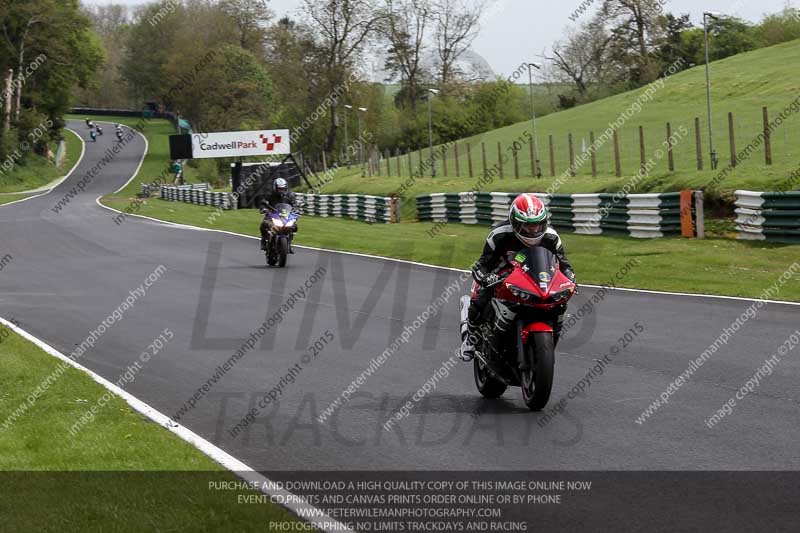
(514, 31)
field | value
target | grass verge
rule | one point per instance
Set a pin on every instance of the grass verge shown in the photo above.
(712, 266)
(741, 85)
(12, 198)
(120, 473)
(38, 172)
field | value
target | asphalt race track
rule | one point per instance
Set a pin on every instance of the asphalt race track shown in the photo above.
(71, 269)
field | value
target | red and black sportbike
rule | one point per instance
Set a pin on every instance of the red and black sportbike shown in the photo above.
(516, 341)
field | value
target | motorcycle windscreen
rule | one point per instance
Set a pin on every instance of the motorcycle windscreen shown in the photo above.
(540, 264)
(282, 210)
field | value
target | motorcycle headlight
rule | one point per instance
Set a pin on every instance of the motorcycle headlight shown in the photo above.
(561, 296)
(522, 294)
(278, 222)
(290, 223)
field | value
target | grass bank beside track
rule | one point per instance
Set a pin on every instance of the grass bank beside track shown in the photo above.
(6, 199)
(742, 84)
(712, 266)
(120, 469)
(37, 171)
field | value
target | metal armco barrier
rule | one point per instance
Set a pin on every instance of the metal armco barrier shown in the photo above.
(355, 206)
(198, 194)
(768, 216)
(643, 216)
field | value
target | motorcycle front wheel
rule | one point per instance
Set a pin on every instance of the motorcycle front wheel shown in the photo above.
(537, 383)
(283, 251)
(488, 386)
(272, 257)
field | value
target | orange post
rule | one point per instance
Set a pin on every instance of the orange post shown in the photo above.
(687, 224)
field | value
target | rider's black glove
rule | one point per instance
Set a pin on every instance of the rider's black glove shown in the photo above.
(570, 274)
(484, 278)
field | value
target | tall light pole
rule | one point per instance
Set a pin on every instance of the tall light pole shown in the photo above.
(706, 16)
(431, 92)
(361, 142)
(346, 137)
(531, 66)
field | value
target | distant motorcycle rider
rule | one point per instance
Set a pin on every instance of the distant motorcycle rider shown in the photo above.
(280, 195)
(527, 226)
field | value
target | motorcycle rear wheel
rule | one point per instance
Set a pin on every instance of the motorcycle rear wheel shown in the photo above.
(537, 383)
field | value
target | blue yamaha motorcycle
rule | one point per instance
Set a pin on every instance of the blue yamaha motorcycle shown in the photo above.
(282, 224)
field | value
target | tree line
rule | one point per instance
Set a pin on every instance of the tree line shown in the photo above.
(47, 47)
(231, 65)
(629, 43)
(268, 72)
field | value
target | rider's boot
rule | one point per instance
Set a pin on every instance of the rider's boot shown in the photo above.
(470, 337)
(263, 244)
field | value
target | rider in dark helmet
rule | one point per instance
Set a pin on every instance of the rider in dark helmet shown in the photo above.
(527, 226)
(280, 195)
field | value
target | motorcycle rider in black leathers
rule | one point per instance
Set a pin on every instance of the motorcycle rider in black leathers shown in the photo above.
(280, 195)
(527, 226)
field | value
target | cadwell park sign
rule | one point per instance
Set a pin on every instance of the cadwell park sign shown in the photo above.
(240, 144)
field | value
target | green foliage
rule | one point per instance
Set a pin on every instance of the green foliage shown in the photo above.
(730, 36)
(779, 27)
(50, 45)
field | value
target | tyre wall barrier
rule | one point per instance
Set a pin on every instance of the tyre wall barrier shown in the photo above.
(198, 194)
(637, 215)
(768, 216)
(355, 206)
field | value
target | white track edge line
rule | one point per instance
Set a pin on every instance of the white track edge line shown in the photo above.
(62, 180)
(451, 269)
(289, 500)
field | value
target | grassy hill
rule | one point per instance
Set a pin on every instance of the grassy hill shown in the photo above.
(741, 84)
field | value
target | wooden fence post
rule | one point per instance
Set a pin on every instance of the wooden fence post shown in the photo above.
(397, 156)
(458, 166)
(410, 163)
(642, 152)
(516, 163)
(594, 154)
(552, 158)
(732, 138)
(571, 156)
(533, 161)
(670, 153)
(469, 159)
(617, 161)
(500, 158)
(698, 141)
(483, 153)
(767, 137)
(444, 160)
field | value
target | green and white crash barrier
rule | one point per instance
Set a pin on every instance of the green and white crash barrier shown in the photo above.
(355, 206)
(768, 216)
(643, 216)
(198, 194)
